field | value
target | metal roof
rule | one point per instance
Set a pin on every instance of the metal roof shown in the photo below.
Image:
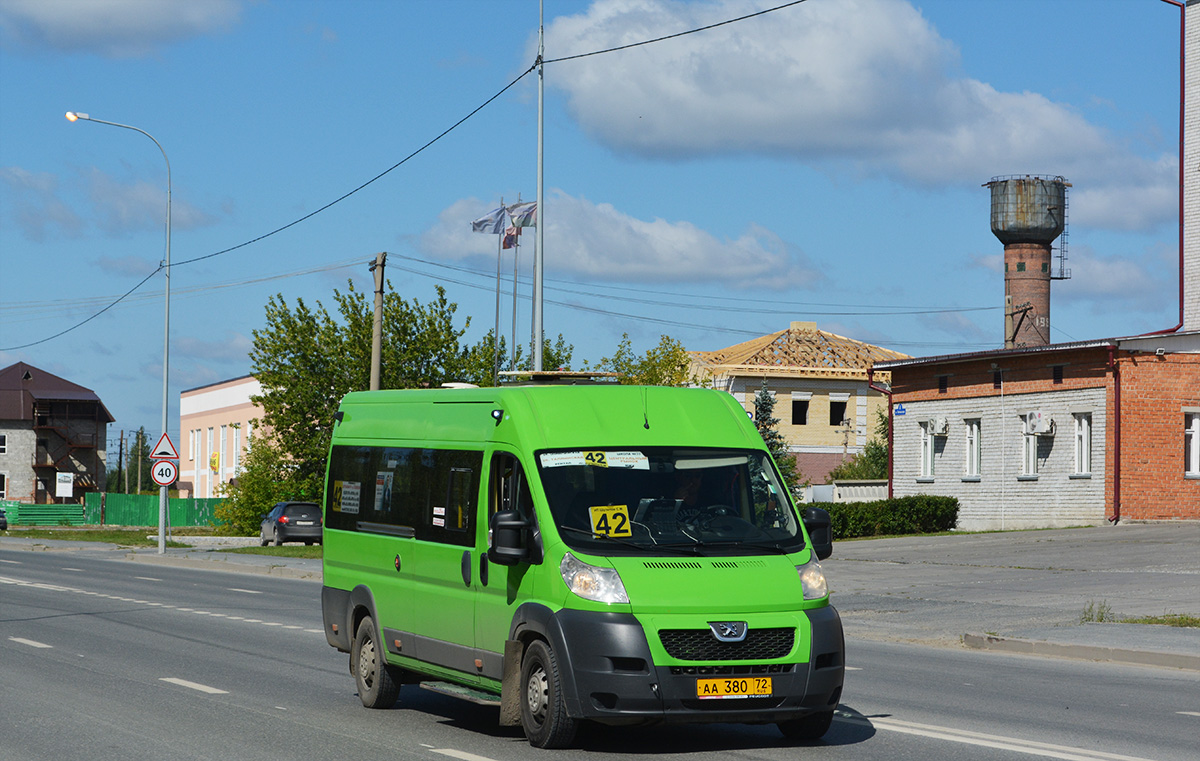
(22, 384)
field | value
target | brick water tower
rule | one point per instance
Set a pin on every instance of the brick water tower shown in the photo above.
(1028, 213)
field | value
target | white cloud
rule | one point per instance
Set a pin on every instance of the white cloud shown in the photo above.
(112, 28)
(591, 241)
(1142, 283)
(234, 347)
(123, 207)
(864, 83)
(36, 208)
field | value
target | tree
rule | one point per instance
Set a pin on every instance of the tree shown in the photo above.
(308, 359)
(766, 422)
(556, 356)
(872, 461)
(666, 364)
(262, 480)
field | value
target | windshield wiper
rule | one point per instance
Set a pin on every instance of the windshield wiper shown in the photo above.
(775, 548)
(681, 549)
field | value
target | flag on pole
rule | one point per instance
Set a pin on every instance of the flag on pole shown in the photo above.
(511, 236)
(493, 222)
(523, 214)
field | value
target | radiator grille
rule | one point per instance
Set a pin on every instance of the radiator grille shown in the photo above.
(701, 645)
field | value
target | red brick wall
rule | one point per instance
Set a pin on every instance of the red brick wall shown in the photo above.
(1153, 392)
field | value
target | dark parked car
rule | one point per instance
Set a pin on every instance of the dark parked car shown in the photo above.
(291, 522)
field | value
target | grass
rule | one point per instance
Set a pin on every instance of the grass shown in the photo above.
(128, 537)
(285, 551)
(1101, 612)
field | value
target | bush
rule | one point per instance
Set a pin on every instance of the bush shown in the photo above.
(920, 514)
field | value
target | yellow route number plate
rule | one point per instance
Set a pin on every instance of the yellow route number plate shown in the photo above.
(610, 520)
(736, 687)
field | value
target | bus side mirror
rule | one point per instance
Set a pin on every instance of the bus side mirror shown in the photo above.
(508, 546)
(820, 531)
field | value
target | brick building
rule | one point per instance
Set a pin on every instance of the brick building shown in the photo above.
(1060, 435)
(52, 437)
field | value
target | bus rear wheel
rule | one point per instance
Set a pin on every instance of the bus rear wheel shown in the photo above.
(376, 687)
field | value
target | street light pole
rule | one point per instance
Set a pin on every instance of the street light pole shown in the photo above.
(162, 492)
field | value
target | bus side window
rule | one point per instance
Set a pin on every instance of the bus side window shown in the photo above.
(508, 489)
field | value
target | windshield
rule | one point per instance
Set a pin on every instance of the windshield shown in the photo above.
(666, 500)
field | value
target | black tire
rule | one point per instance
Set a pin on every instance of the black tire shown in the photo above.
(262, 538)
(543, 713)
(376, 687)
(278, 539)
(810, 727)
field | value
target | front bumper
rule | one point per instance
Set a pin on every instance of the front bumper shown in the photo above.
(609, 674)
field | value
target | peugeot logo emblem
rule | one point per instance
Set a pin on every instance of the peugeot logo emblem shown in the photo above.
(728, 631)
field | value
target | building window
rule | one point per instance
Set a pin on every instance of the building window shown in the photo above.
(837, 413)
(974, 448)
(799, 412)
(1058, 373)
(3, 443)
(1191, 444)
(1029, 445)
(1083, 443)
(3, 486)
(943, 383)
(927, 449)
(997, 379)
(237, 450)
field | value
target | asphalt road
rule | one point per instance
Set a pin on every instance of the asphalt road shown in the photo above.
(110, 659)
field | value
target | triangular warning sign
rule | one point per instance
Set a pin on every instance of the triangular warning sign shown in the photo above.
(164, 449)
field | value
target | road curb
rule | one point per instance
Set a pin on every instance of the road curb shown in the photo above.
(1082, 652)
(211, 564)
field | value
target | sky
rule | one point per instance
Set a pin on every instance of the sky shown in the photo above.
(822, 162)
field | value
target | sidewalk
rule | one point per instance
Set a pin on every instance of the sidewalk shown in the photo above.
(1021, 592)
(1027, 591)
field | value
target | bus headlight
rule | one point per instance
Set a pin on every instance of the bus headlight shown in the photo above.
(812, 579)
(591, 582)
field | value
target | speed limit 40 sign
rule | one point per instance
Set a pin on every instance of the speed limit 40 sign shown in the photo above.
(164, 472)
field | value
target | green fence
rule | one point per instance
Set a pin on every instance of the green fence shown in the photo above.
(20, 514)
(142, 510)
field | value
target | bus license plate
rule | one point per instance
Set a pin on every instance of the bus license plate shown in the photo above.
(737, 687)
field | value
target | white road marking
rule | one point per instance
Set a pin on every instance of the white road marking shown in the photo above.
(1188, 713)
(148, 603)
(11, 562)
(853, 668)
(244, 591)
(30, 642)
(147, 578)
(74, 570)
(461, 754)
(194, 685)
(1048, 750)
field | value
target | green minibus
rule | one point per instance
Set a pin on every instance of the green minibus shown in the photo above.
(607, 553)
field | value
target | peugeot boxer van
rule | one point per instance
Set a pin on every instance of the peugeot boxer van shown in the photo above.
(606, 553)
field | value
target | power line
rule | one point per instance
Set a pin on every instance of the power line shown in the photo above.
(677, 34)
(401, 162)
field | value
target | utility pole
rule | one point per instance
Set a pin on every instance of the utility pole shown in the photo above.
(121, 463)
(377, 322)
(141, 435)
